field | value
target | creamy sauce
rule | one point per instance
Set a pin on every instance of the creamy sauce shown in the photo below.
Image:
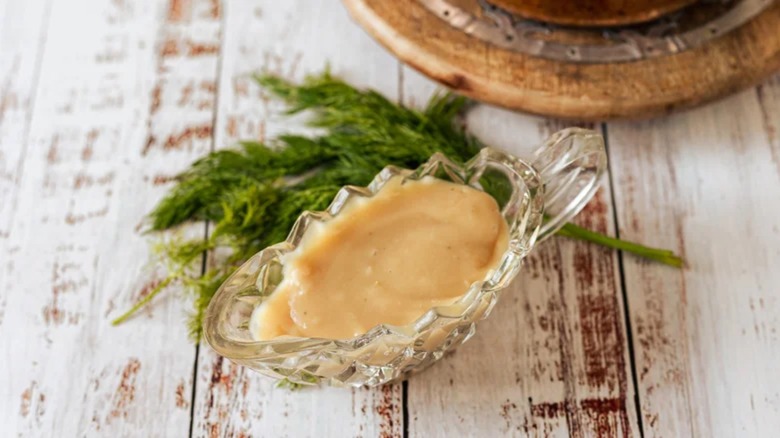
(385, 260)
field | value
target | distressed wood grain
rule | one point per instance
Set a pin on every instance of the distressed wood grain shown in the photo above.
(111, 122)
(102, 102)
(552, 359)
(290, 38)
(707, 184)
(22, 32)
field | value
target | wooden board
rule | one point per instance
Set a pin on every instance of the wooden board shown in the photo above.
(22, 34)
(568, 90)
(105, 131)
(707, 339)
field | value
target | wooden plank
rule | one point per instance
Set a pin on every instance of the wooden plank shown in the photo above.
(22, 33)
(289, 38)
(705, 183)
(552, 359)
(112, 120)
(21, 40)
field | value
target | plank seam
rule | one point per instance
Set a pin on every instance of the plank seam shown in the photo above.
(624, 292)
(401, 83)
(405, 407)
(212, 148)
(405, 383)
(203, 262)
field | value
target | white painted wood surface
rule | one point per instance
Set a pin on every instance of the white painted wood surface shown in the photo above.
(102, 101)
(705, 183)
(73, 256)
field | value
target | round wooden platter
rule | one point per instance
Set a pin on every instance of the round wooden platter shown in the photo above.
(568, 90)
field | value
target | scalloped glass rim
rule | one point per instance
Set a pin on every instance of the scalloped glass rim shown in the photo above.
(522, 211)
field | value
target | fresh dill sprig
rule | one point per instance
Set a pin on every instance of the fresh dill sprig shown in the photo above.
(253, 194)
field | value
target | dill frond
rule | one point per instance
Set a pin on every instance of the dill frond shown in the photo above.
(252, 194)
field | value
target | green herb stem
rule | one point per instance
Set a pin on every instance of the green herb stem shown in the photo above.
(659, 255)
(143, 302)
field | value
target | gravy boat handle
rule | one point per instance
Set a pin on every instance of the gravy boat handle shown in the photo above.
(570, 163)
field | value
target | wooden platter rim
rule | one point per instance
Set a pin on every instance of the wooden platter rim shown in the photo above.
(586, 98)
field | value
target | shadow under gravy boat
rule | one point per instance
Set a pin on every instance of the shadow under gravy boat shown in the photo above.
(535, 199)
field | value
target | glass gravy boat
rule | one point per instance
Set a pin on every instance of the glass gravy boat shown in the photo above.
(536, 199)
